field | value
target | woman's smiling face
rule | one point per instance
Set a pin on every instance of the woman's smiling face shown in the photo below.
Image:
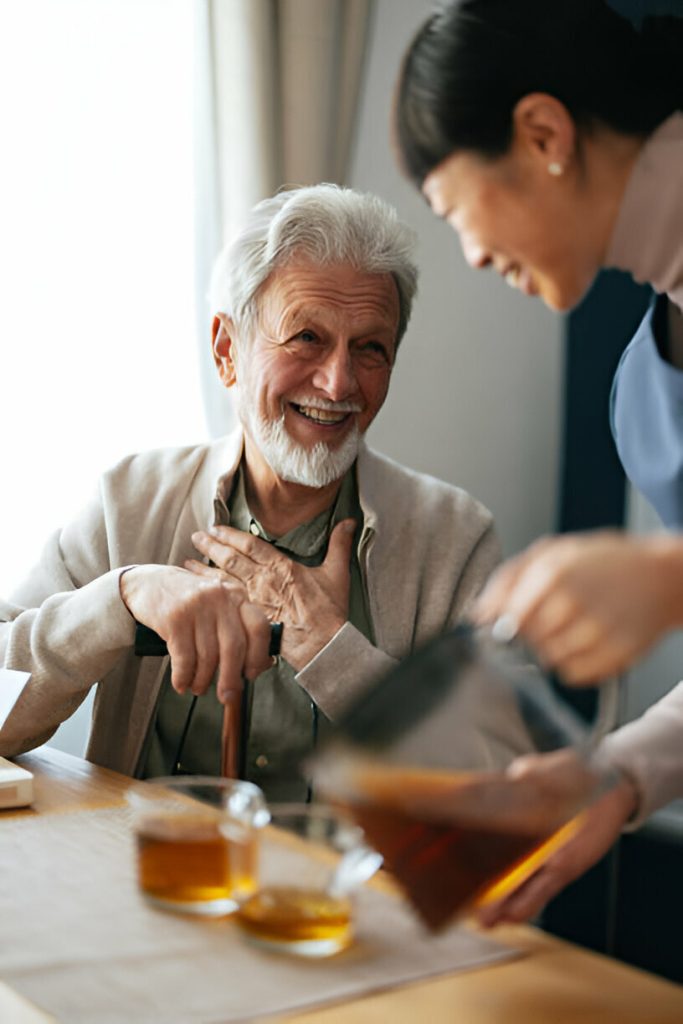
(518, 219)
(540, 214)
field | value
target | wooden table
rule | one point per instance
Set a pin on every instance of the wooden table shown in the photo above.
(554, 983)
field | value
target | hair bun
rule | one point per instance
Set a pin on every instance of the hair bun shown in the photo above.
(661, 46)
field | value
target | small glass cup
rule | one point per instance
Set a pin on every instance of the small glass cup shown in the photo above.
(313, 859)
(197, 841)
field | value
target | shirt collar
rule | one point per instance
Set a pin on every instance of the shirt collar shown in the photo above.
(306, 540)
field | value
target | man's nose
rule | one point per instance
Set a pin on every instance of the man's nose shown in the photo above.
(475, 254)
(336, 375)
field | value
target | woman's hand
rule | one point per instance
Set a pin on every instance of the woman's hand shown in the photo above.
(590, 604)
(601, 826)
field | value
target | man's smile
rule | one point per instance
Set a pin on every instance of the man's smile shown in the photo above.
(321, 416)
(325, 414)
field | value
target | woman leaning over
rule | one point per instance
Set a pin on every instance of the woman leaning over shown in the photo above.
(550, 137)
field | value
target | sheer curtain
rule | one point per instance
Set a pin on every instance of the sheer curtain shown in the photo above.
(97, 317)
(280, 81)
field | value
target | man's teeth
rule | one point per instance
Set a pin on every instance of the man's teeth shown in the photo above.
(321, 415)
(512, 276)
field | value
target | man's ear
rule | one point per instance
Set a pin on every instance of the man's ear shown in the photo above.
(546, 130)
(222, 342)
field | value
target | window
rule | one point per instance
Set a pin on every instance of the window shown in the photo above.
(97, 315)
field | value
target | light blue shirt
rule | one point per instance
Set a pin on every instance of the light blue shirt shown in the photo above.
(646, 413)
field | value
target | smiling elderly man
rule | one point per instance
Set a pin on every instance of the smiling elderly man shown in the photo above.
(291, 518)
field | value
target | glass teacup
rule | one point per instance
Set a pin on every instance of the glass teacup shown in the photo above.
(313, 858)
(197, 841)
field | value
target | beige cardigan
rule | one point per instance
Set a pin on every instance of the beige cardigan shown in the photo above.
(431, 546)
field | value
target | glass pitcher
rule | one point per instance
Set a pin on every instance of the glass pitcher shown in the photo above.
(439, 764)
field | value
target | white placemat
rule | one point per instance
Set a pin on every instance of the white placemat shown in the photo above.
(80, 941)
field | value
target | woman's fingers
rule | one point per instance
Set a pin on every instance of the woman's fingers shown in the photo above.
(511, 591)
(525, 903)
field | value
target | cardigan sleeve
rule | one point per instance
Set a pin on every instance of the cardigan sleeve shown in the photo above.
(649, 751)
(67, 625)
(67, 645)
(349, 663)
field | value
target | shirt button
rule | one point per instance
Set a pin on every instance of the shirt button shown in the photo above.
(253, 528)
(261, 761)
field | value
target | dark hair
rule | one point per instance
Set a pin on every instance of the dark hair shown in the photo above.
(470, 63)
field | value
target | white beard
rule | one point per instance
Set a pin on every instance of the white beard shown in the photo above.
(315, 467)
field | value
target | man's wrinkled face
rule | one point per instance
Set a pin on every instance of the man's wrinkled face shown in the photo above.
(315, 372)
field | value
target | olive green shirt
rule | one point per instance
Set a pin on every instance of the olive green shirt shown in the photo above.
(283, 722)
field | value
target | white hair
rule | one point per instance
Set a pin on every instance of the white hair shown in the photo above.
(324, 223)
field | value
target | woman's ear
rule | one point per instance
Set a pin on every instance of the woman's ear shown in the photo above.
(546, 130)
(222, 340)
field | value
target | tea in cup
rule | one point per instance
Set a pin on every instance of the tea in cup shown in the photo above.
(197, 842)
(313, 859)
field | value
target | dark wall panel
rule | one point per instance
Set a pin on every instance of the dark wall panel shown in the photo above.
(619, 906)
(592, 486)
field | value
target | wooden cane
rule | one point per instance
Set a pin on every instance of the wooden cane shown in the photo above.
(235, 727)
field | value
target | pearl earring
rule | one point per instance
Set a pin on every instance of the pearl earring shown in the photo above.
(555, 169)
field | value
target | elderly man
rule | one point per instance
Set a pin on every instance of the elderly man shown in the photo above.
(290, 518)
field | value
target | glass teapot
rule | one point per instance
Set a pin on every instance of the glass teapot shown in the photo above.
(465, 769)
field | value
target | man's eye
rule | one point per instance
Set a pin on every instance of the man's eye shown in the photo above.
(307, 336)
(376, 351)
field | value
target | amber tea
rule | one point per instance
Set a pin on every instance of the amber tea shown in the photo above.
(197, 841)
(314, 858)
(446, 869)
(288, 915)
(190, 864)
(454, 841)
